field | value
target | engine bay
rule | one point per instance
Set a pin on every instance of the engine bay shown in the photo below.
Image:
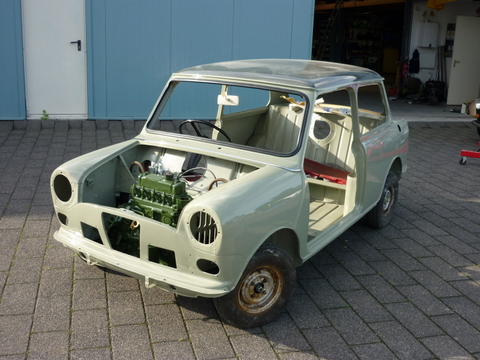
(158, 182)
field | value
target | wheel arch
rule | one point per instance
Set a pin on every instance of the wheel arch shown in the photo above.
(397, 168)
(288, 241)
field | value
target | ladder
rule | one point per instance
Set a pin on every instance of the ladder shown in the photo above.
(322, 45)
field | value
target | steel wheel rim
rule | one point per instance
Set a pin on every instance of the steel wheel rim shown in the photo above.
(260, 290)
(388, 200)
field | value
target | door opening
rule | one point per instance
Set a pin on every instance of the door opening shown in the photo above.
(55, 61)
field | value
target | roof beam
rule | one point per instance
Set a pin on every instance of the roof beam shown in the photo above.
(357, 3)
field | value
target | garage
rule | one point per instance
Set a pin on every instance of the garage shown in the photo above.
(384, 34)
(107, 59)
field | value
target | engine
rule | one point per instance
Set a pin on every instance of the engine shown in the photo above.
(159, 197)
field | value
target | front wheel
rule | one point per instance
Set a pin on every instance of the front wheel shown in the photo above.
(262, 292)
(382, 213)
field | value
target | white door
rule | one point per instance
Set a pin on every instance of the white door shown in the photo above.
(55, 58)
(464, 84)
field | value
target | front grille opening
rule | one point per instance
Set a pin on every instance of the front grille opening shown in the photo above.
(62, 218)
(162, 256)
(208, 266)
(123, 234)
(203, 227)
(91, 233)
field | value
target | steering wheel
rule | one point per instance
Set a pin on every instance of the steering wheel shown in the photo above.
(198, 132)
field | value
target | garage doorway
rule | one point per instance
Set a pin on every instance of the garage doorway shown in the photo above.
(368, 36)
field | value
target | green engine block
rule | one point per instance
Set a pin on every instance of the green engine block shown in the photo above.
(159, 197)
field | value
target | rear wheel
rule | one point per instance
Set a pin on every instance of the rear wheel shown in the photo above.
(382, 213)
(262, 292)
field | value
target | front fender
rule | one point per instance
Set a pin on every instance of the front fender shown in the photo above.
(250, 209)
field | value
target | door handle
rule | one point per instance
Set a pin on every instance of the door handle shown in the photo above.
(79, 44)
(455, 62)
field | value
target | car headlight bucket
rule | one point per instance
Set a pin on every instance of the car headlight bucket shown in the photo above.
(62, 187)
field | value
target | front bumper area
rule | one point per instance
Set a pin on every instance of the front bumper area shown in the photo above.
(184, 278)
(152, 274)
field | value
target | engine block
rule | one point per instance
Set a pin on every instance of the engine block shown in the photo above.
(159, 197)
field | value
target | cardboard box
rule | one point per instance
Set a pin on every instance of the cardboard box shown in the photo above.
(471, 108)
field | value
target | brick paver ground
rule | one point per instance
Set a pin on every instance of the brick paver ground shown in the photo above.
(409, 291)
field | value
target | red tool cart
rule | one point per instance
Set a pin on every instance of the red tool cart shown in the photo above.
(469, 154)
(471, 108)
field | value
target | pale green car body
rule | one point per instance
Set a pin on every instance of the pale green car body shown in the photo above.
(264, 195)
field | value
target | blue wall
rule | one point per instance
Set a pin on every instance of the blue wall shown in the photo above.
(12, 83)
(134, 46)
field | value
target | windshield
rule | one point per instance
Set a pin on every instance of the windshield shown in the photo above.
(261, 119)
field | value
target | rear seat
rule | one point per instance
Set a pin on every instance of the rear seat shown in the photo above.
(336, 148)
(278, 129)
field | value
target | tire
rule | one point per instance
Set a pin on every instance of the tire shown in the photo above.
(382, 213)
(262, 292)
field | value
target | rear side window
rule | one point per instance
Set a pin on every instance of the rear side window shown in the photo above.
(371, 106)
(329, 108)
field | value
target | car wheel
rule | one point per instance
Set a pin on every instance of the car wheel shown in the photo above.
(382, 213)
(262, 292)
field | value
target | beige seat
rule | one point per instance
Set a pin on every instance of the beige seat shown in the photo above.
(278, 129)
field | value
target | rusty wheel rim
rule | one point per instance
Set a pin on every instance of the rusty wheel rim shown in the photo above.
(260, 290)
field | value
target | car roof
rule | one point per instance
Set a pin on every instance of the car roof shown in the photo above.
(320, 75)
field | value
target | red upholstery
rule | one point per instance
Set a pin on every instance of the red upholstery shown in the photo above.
(326, 172)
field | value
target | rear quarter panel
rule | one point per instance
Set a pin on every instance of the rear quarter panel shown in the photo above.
(384, 146)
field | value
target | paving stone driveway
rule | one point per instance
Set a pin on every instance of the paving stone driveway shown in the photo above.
(409, 291)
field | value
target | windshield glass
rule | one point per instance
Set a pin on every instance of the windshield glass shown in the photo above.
(261, 119)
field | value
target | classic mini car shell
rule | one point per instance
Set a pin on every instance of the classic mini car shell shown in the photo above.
(129, 206)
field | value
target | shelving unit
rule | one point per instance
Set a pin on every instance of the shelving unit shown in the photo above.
(364, 43)
(373, 43)
(364, 34)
